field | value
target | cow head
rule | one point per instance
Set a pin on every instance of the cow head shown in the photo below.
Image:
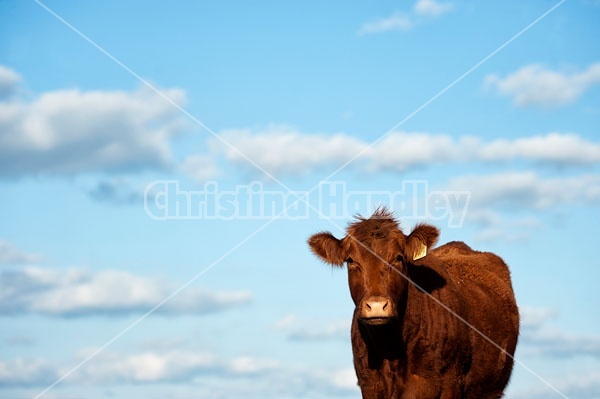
(371, 250)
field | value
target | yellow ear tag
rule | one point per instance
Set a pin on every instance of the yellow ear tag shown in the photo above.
(421, 252)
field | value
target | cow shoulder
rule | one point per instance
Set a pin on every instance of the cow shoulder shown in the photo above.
(454, 247)
(462, 261)
(480, 276)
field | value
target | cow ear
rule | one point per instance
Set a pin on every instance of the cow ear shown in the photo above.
(423, 237)
(328, 248)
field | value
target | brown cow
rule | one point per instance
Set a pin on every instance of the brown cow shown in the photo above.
(448, 333)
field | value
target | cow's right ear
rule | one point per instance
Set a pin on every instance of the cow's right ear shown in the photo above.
(328, 248)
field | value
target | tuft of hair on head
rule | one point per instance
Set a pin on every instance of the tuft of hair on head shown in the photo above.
(382, 212)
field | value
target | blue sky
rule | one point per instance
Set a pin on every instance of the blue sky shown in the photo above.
(281, 95)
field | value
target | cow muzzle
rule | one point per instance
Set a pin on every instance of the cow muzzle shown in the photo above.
(377, 310)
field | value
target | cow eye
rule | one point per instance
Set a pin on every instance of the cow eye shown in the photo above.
(353, 266)
(400, 258)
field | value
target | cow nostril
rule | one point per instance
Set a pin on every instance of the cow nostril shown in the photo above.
(377, 307)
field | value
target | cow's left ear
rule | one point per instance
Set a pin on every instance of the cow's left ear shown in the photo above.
(423, 237)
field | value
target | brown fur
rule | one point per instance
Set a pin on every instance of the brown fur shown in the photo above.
(405, 344)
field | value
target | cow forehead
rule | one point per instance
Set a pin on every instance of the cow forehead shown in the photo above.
(384, 245)
(380, 234)
(375, 249)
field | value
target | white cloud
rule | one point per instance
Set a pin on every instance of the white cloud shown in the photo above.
(552, 342)
(402, 150)
(344, 379)
(431, 8)
(11, 255)
(501, 233)
(109, 367)
(286, 322)
(66, 132)
(205, 373)
(78, 292)
(533, 318)
(200, 167)
(585, 385)
(519, 193)
(554, 148)
(9, 80)
(535, 85)
(399, 21)
(247, 365)
(333, 382)
(509, 228)
(339, 330)
(304, 330)
(280, 149)
(147, 367)
(541, 339)
(283, 150)
(26, 372)
(527, 190)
